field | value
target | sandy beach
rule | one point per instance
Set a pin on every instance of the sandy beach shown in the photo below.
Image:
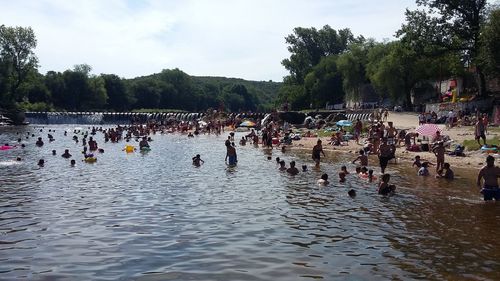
(409, 122)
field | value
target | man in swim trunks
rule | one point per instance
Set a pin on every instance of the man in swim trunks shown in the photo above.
(489, 174)
(385, 153)
(316, 153)
(231, 154)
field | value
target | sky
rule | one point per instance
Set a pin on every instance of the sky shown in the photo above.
(231, 38)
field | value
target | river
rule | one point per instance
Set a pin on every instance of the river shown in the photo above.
(154, 216)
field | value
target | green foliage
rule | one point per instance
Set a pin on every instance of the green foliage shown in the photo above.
(352, 65)
(490, 43)
(36, 106)
(309, 45)
(120, 98)
(447, 26)
(17, 59)
(324, 83)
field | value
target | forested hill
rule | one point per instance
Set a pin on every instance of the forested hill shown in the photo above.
(266, 91)
(174, 89)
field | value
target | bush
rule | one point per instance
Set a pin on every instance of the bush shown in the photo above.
(37, 106)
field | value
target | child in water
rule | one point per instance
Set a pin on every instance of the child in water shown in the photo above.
(423, 171)
(352, 193)
(282, 165)
(371, 177)
(358, 170)
(292, 170)
(363, 159)
(341, 177)
(323, 180)
(446, 172)
(384, 188)
(197, 160)
(344, 169)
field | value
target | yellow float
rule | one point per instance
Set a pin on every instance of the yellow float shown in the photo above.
(129, 148)
(90, 159)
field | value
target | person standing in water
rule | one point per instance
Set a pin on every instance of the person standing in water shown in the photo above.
(385, 153)
(316, 153)
(231, 154)
(489, 174)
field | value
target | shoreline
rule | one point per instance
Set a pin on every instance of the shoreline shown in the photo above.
(407, 121)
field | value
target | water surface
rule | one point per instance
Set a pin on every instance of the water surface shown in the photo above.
(153, 216)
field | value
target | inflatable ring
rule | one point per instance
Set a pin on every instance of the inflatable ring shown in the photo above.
(145, 148)
(129, 148)
(90, 159)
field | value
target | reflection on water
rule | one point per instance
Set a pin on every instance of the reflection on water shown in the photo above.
(153, 216)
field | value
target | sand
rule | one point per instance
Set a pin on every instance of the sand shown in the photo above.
(408, 121)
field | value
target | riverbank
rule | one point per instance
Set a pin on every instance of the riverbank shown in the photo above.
(409, 122)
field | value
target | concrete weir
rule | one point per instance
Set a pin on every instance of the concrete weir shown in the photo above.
(106, 117)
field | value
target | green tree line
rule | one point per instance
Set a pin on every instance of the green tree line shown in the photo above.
(23, 87)
(440, 39)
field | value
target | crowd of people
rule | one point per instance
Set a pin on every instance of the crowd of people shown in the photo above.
(382, 140)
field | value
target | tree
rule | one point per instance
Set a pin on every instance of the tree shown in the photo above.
(55, 83)
(146, 93)
(392, 69)
(119, 97)
(96, 97)
(352, 66)
(16, 52)
(490, 43)
(308, 46)
(324, 83)
(76, 89)
(445, 26)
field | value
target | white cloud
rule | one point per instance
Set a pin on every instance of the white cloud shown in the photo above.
(213, 38)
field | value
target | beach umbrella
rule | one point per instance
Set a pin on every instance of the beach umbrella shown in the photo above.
(428, 129)
(344, 123)
(247, 124)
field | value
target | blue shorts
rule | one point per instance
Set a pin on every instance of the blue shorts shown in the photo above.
(232, 160)
(490, 193)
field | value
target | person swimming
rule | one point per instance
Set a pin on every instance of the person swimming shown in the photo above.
(344, 169)
(292, 170)
(323, 180)
(41, 163)
(197, 161)
(282, 165)
(342, 177)
(143, 143)
(384, 188)
(72, 162)
(352, 193)
(358, 170)
(304, 168)
(39, 142)
(423, 171)
(446, 172)
(66, 154)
